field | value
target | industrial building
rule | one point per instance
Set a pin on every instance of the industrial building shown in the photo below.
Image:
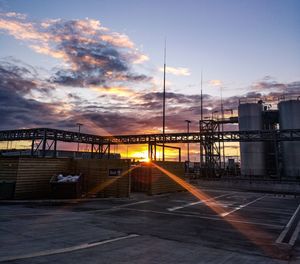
(269, 139)
(267, 157)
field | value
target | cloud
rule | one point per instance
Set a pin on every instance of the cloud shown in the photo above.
(94, 57)
(111, 112)
(19, 77)
(115, 90)
(93, 54)
(178, 71)
(17, 109)
(15, 15)
(269, 85)
(215, 82)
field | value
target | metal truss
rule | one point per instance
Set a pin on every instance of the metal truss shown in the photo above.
(226, 136)
(212, 148)
(194, 137)
(46, 139)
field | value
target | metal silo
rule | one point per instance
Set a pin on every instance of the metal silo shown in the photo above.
(252, 153)
(289, 118)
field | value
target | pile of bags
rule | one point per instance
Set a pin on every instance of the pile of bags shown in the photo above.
(68, 178)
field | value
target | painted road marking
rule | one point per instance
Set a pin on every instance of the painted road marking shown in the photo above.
(65, 250)
(295, 234)
(172, 209)
(70, 212)
(202, 217)
(140, 202)
(242, 206)
(287, 228)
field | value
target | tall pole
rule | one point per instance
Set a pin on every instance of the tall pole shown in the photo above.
(222, 126)
(164, 102)
(188, 144)
(201, 119)
(201, 99)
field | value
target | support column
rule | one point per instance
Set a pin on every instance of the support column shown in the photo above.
(32, 147)
(92, 151)
(55, 146)
(278, 174)
(150, 151)
(179, 154)
(44, 144)
(108, 151)
(100, 151)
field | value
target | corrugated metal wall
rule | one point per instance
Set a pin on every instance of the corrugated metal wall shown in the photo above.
(34, 175)
(141, 179)
(97, 180)
(161, 183)
(9, 169)
(102, 178)
(147, 178)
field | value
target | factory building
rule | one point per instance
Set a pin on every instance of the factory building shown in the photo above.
(270, 157)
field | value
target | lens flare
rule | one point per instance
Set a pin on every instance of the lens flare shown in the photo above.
(257, 237)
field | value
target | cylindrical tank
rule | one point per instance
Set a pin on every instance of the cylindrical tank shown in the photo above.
(252, 153)
(289, 118)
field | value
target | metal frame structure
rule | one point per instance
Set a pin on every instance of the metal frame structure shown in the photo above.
(212, 148)
(192, 137)
(47, 138)
(152, 150)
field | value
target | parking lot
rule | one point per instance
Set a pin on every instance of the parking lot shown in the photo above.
(226, 227)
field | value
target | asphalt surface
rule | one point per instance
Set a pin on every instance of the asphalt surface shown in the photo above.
(228, 227)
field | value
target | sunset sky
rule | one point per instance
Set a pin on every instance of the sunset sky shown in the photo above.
(100, 62)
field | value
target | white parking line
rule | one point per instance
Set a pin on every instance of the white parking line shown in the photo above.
(140, 202)
(287, 228)
(242, 206)
(295, 235)
(215, 218)
(74, 213)
(65, 250)
(122, 206)
(171, 209)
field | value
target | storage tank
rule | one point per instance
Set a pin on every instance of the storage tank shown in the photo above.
(289, 118)
(252, 153)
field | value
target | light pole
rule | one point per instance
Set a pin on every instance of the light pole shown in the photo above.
(188, 144)
(79, 126)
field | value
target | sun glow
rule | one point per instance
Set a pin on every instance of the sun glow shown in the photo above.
(236, 221)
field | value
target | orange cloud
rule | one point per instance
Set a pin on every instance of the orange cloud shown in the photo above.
(119, 40)
(48, 51)
(42, 38)
(115, 90)
(20, 30)
(215, 82)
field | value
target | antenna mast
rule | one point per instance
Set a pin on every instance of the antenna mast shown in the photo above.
(200, 122)
(201, 100)
(164, 102)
